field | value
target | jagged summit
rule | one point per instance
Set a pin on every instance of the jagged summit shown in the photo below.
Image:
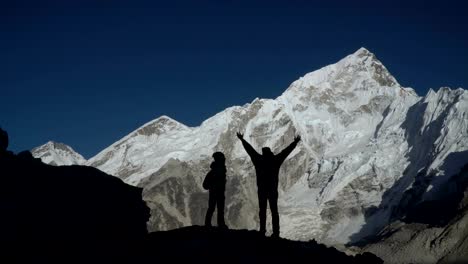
(53, 143)
(362, 50)
(160, 125)
(165, 118)
(363, 54)
(357, 71)
(56, 153)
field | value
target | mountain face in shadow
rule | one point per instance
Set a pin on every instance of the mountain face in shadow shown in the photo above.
(429, 231)
(66, 214)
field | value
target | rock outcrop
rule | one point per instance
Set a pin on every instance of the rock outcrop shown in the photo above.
(66, 214)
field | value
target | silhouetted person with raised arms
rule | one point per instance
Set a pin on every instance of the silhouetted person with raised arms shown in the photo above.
(267, 166)
(215, 182)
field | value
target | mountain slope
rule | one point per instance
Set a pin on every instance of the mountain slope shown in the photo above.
(366, 141)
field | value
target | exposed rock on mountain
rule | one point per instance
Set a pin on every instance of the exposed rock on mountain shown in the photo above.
(433, 231)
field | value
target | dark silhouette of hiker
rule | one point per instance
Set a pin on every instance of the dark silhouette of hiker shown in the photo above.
(5, 155)
(267, 166)
(215, 182)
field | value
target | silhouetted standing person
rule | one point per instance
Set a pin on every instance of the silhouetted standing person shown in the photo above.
(3, 141)
(267, 166)
(215, 182)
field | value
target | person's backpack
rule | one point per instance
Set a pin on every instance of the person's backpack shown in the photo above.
(208, 182)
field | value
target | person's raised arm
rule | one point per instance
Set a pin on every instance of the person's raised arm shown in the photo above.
(250, 150)
(285, 152)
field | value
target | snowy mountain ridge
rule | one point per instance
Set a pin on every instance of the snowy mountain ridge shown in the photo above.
(366, 140)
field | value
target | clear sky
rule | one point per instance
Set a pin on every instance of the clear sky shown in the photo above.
(86, 73)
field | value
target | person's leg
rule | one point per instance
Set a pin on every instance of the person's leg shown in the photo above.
(220, 207)
(262, 204)
(273, 201)
(211, 208)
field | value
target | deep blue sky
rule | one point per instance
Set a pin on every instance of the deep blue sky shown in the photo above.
(87, 73)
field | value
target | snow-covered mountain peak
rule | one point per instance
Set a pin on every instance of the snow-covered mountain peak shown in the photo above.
(57, 145)
(348, 97)
(362, 52)
(159, 126)
(360, 56)
(59, 154)
(358, 71)
(140, 145)
(166, 119)
(444, 94)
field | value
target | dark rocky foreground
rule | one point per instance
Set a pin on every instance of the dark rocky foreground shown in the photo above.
(68, 214)
(212, 245)
(78, 214)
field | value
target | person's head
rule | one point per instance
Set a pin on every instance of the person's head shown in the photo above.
(219, 157)
(3, 140)
(266, 152)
